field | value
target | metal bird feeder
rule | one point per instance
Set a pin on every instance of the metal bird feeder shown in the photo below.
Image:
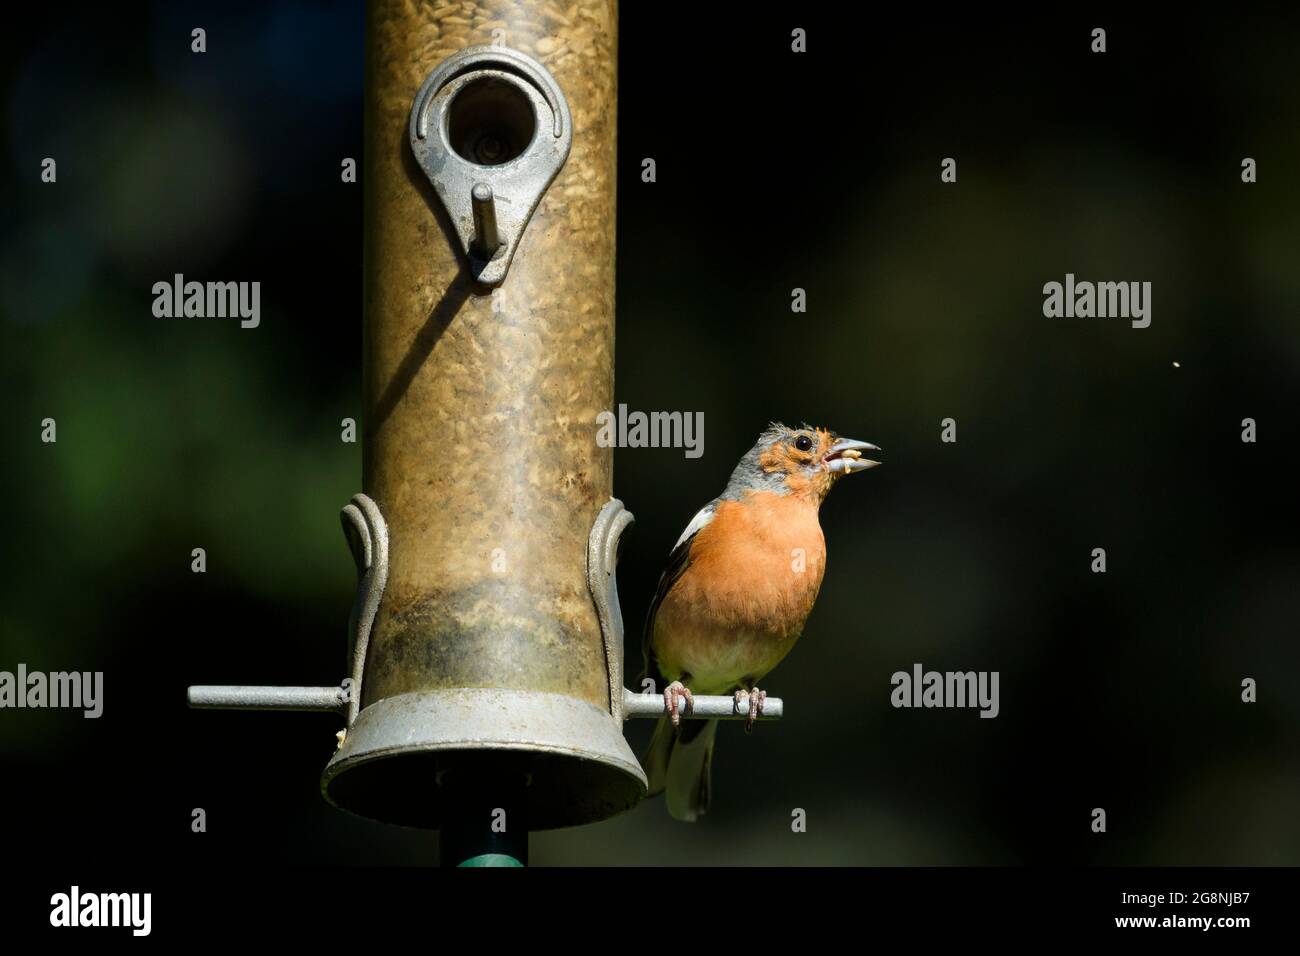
(486, 637)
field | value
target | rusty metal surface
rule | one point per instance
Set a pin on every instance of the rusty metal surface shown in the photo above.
(479, 409)
(486, 636)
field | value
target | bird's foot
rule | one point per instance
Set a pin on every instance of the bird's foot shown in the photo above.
(672, 694)
(754, 698)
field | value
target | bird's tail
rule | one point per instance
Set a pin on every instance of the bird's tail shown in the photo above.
(678, 762)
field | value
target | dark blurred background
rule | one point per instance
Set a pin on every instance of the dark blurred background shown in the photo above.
(775, 171)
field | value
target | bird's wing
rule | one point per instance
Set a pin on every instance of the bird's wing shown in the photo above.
(678, 561)
(702, 517)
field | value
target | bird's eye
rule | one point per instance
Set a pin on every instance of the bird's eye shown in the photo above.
(803, 443)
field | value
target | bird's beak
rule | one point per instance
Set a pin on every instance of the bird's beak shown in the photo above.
(845, 456)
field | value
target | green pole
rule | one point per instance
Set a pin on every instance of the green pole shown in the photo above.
(484, 818)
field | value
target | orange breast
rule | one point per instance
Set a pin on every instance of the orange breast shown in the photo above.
(739, 607)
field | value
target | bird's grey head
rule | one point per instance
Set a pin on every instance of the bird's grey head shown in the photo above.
(802, 461)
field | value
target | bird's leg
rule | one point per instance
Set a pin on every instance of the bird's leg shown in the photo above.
(672, 693)
(755, 698)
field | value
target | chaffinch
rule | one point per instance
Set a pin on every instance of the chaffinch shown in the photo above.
(739, 586)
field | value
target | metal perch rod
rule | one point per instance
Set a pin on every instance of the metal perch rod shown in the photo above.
(713, 708)
(237, 697)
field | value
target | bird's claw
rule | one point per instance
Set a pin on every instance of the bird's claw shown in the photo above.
(672, 693)
(754, 700)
